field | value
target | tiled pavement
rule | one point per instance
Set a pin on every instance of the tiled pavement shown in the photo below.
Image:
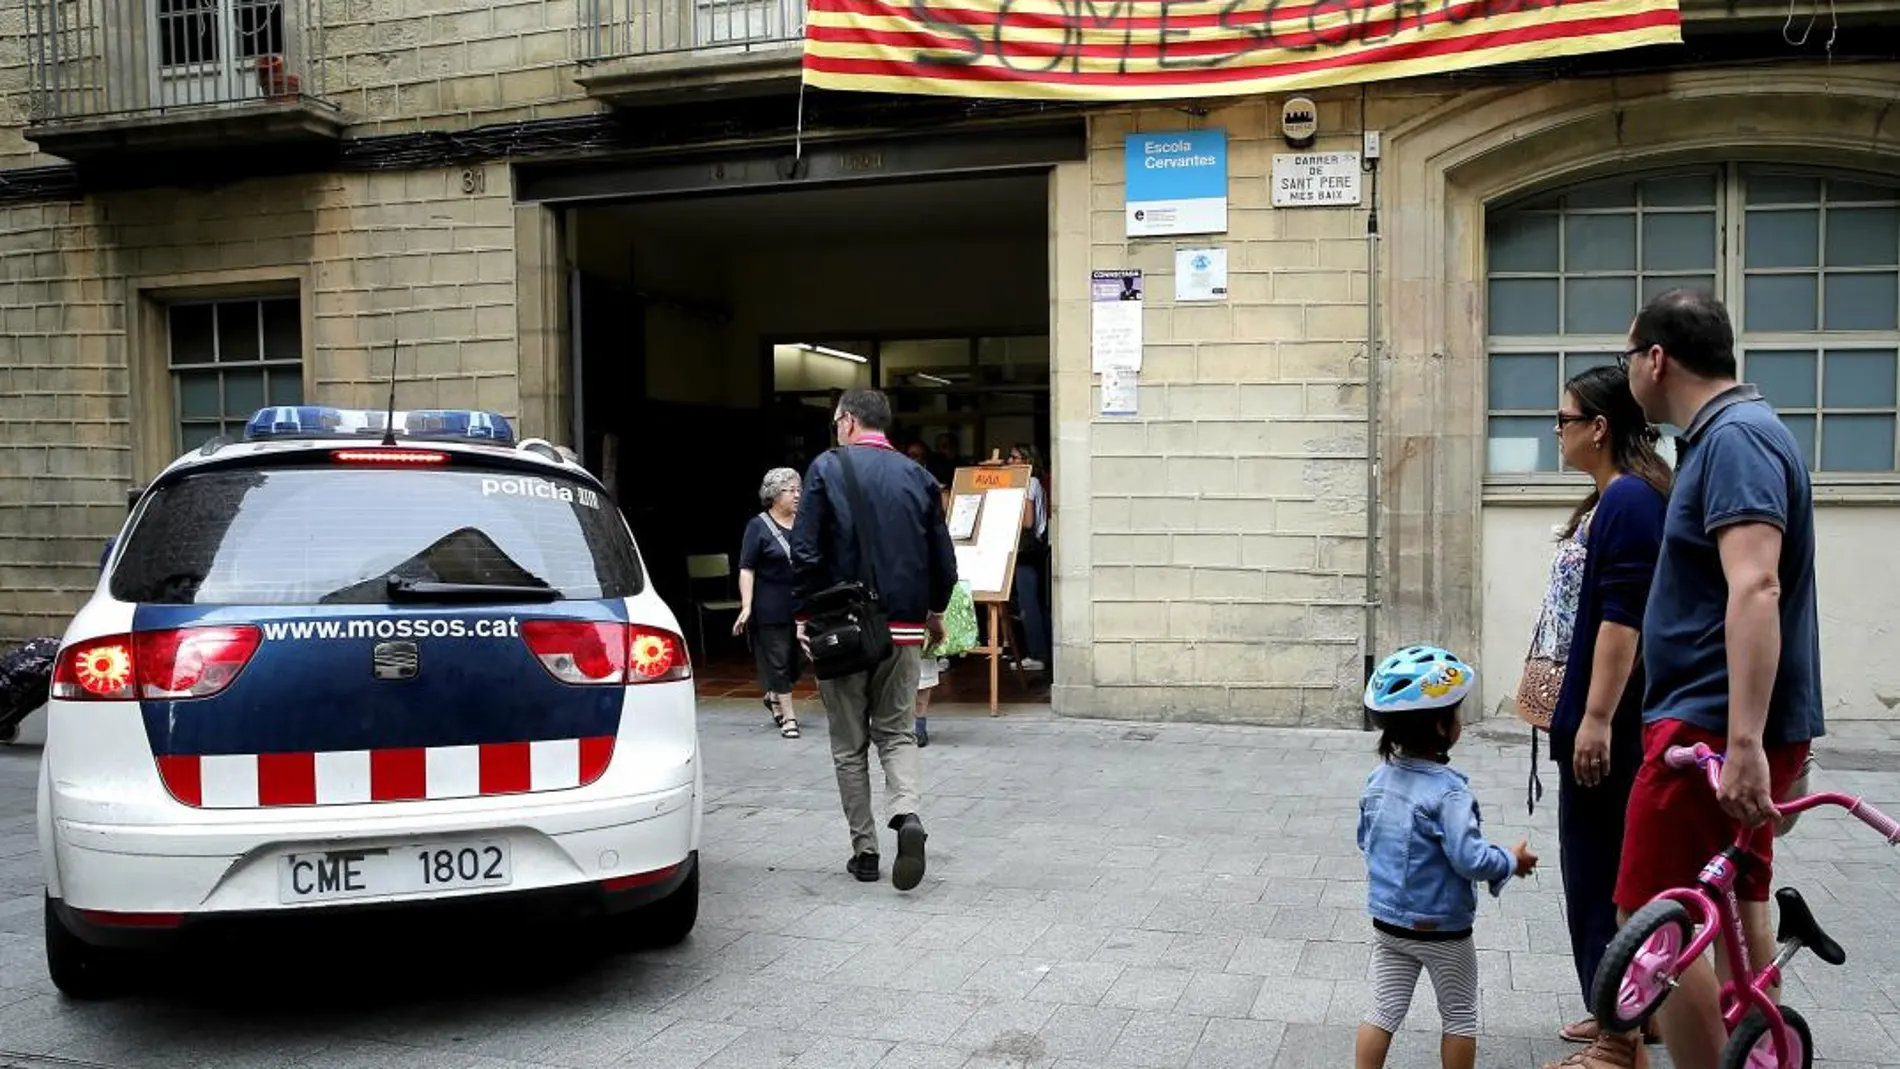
(1099, 895)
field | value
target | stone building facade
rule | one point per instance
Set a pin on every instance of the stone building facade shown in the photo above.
(1224, 554)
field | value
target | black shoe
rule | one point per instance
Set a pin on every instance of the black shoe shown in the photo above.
(863, 866)
(923, 738)
(908, 871)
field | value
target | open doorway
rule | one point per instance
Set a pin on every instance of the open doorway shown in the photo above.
(714, 334)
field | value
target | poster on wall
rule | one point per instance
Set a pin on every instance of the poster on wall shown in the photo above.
(1118, 391)
(1115, 304)
(1200, 274)
(1176, 183)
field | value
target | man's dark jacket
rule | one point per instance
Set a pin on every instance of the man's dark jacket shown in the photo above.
(910, 542)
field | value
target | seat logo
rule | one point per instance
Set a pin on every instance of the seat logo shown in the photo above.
(395, 660)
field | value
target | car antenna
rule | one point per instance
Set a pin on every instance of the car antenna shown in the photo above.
(389, 421)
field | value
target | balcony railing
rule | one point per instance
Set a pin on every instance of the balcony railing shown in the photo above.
(121, 59)
(615, 29)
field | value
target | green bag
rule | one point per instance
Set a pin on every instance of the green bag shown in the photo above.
(959, 624)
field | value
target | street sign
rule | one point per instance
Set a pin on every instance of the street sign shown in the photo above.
(1315, 179)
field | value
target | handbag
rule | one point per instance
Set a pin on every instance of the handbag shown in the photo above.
(846, 627)
(1538, 689)
(959, 624)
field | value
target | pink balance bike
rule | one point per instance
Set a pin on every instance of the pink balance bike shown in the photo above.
(1641, 965)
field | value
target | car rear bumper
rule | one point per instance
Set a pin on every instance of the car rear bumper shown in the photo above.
(138, 880)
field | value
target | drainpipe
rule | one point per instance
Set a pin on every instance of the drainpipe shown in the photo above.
(1371, 165)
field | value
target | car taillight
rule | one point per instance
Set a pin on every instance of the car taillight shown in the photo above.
(592, 654)
(98, 669)
(190, 662)
(195, 662)
(403, 458)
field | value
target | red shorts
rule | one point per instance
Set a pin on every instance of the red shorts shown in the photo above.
(1674, 825)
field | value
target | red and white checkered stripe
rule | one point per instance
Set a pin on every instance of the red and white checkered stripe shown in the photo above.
(346, 777)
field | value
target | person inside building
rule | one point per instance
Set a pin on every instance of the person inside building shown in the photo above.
(1031, 589)
(765, 595)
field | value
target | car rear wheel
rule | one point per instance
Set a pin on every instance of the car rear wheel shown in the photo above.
(79, 969)
(664, 923)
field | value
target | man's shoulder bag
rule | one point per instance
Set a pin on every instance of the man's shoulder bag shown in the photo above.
(846, 626)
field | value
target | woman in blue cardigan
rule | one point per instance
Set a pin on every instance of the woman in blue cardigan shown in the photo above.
(1596, 727)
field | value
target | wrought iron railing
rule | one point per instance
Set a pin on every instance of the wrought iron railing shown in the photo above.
(613, 29)
(105, 58)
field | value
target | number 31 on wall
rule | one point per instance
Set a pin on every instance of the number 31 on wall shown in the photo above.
(475, 180)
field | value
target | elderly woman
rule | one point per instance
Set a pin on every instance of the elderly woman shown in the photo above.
(765, 595)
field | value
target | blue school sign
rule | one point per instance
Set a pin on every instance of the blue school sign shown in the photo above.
(1177, 183)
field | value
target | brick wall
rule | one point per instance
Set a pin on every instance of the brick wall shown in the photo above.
(1226, 523)
(400, 256)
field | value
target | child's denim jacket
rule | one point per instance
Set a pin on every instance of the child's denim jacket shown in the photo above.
(1419, 830)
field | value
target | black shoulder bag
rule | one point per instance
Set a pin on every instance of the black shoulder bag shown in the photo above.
(846, 626)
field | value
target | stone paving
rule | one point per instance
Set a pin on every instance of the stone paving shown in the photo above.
(1099, 895)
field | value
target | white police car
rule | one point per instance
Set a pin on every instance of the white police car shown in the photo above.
(336, 665)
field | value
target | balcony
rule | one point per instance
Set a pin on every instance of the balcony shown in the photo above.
(116, 79)
(653, 51)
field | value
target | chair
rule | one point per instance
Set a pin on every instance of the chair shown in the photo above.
(704, 568)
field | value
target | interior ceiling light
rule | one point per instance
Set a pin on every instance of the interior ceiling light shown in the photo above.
(933, 379)
(839, 353)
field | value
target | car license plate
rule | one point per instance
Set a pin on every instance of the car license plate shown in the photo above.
(416, 869)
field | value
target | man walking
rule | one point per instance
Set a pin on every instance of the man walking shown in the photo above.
(1732, 642)
(913, 568)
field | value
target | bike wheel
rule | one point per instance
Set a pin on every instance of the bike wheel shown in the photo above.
(1639, 965)
(1751, 1046)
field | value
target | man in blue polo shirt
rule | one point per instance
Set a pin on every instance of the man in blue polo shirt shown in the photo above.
(1731, 639)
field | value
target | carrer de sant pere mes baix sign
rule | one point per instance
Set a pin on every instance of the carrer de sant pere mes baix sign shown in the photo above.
(1084, 50)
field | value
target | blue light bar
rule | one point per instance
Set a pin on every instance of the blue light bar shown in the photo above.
(323, 421)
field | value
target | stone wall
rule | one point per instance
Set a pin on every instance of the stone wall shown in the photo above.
(85, 402)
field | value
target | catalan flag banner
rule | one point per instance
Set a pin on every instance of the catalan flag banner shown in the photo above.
(1105, 50)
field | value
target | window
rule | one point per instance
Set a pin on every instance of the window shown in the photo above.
(228, 359)
(1808, 264)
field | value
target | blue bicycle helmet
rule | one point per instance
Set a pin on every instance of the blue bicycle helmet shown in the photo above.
(1416, 679)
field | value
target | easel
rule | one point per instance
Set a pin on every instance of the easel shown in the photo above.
(983, 482)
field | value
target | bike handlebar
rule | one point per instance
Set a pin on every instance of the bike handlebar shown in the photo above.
(1711, 762)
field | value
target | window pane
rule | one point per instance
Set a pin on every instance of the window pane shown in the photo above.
(1857, 443)
(243, 393)
(191, 333)
(198, 396)
(237, 332)
(1522, 242)
(1863, 302)
(1838, 191)
(286, 386)
(1782, 189)
(1599, 305)
(1522, 306)
(1654, 284)
(1614, 193)
(1863, 237)
(1523, 380)
(1683, 191)
(1802, 427)
(283, 331)
(1779, 302)
(1783, 239)
(193, 435)
(1523, 444)
(1859, 380)
(1577, 363)
(1600, 243)
(1786, 377)
(1679, 241)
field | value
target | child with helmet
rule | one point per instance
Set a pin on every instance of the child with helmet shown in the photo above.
(1419, 829)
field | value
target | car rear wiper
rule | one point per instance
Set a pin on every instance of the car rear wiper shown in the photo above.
(404, 589)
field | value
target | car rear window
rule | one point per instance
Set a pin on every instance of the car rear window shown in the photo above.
(331, 536)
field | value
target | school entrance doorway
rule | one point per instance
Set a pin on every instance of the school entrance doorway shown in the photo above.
(714, 334)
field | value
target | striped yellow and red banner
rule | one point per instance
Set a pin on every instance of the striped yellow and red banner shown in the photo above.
(1084, 50)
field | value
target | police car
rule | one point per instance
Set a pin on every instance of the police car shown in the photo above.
(363, 658)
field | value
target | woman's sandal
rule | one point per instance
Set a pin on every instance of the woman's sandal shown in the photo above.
(788, 727)
(771, 706)
(1587, 1030)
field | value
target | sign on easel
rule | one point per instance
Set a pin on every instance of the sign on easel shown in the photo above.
(988, 504)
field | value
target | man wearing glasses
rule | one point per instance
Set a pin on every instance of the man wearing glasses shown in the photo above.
(1731, 642)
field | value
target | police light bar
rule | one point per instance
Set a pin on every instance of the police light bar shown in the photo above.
(322, 421)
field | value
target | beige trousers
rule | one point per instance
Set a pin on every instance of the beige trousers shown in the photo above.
(878, 707)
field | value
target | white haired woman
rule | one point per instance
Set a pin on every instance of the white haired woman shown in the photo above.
(766, 598)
